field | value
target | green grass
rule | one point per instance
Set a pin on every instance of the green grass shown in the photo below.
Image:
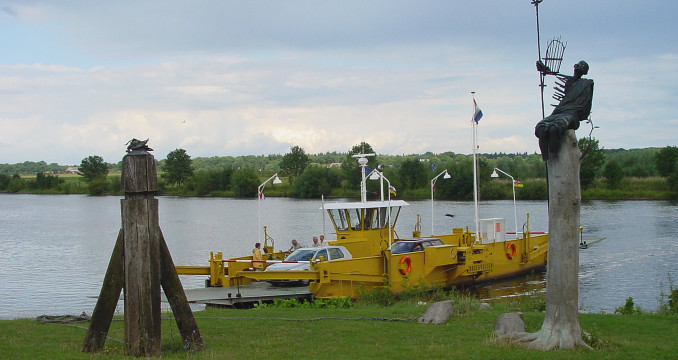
(654, 188)
(275, 333)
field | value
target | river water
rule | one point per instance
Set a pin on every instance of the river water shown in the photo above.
(54, 249)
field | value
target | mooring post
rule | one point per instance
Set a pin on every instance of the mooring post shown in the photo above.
(142, 265)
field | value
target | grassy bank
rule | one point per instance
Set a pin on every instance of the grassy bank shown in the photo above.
(308, 333)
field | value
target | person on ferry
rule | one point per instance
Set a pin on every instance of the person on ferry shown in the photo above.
(322, 240)
(315, 242)
(258, 266)
(295, 245)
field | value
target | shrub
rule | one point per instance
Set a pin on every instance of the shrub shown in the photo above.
(673, 301)
(97, 186)
(16, 184)
(628, 309)
(245, 183)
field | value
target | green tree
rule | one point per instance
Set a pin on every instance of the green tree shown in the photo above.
(4, 181)
(16, 184)
(205, 182)
(613, 173)
(177, 167)
(93, 167)
(43, 181)
(312, 183)
(245, 182)
(294, 162)
(665, 160)
(460, 185)
(350, 166)
(591, 162)
(413, 174)
(97, 186)
(672, 180)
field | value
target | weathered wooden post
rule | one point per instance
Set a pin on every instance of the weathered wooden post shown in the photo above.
(560, 150)
(141, 263)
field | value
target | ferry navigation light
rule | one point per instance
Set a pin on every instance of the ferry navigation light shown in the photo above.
(445, 175)
(513, 184)
(260, 196)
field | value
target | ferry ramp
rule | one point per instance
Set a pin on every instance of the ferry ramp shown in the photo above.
(246, 295)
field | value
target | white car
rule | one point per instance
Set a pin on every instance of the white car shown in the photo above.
(304, 255)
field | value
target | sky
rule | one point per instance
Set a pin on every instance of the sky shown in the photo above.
(230, 78)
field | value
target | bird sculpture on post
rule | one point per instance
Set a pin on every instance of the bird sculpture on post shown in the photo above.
(138, 146)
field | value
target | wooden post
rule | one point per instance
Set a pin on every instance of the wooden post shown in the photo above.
(176, 297)
(108, 300)
(561, 325)
(141, 263)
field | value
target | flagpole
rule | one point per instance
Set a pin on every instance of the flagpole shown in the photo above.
(475, 166)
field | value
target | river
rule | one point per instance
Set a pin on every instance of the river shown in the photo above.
(54, 249)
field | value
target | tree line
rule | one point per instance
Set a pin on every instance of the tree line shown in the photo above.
(337, 174)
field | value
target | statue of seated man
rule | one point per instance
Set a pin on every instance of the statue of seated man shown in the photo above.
(574, 107)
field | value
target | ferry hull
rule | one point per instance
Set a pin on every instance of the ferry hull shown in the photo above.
(444, 265)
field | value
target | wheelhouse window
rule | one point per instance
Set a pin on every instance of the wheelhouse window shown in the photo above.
(339, 219)
(355, 219)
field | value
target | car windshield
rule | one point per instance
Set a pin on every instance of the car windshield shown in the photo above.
(301, 255)
(401, 247)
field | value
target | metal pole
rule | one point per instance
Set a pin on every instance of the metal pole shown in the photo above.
(475, 170)
(541, 76)
(260, 192)
(433, 182)
(322, 197)
(515, 211)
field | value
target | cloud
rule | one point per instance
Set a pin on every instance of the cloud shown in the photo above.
(9, 10)
(237, 78)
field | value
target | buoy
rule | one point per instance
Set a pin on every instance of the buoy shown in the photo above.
(511, 250)
(403, 260)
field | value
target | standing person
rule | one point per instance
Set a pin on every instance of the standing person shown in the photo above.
(315, 241)
(258, 266)
(322, 240)
(295, 245)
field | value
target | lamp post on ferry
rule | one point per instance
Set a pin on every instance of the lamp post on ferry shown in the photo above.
(513, 184)
(378, 175)
(433, 182)
(260, 196)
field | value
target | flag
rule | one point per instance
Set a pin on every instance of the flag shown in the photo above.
(477, 113)
(392, 190)
(261, 194)
(367, 170)
(517, 184)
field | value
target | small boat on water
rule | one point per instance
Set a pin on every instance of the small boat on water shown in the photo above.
(380, 258)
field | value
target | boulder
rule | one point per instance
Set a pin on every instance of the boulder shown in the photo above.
(509, 323)
(438, 313)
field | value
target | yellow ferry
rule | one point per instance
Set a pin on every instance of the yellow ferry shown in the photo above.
(379, 259)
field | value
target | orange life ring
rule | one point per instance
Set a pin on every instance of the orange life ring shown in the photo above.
(511, 250)
(406, 259)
